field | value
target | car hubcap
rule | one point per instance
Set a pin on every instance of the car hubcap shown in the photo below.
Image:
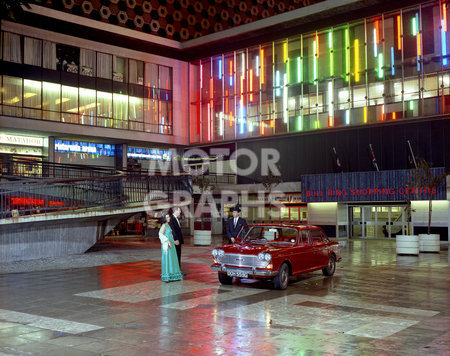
(284, 277)
(331, 265)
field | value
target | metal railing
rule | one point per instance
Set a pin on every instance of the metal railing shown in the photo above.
(44, 196)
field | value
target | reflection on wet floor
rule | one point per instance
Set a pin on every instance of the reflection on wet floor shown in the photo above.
(377, 303)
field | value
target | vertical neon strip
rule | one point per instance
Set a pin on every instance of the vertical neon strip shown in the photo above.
(365, 114)
(382, 112)
(414, 26)
(201, 76)
(380, 65)
(242, 90)
(226, 101)
(356, 49)
(285, 56)
(241, 113)
(220, 69)
(444, 17)
(347, 56)
(231, 118)
(394, 115)
(299, 70)
(231, 72)
(330, 105)
(444, 48)
(285, 100)
(251, 84)
(277, 83)
(211, 89)
(399, 33)
(411, 105)
(315, 60)
(221, 123)
(209, 122)
(375, 46)
(299, 123)
(377, 32)
(262, 66)
(392, 61)
(262, 127)
(330, 47)
(257, 66)
(419, 50)
(347, 117)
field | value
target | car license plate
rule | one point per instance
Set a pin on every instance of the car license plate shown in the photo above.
(237, 273)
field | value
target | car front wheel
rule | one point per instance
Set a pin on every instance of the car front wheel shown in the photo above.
(224, 279)
(329, 271)
(281, 280)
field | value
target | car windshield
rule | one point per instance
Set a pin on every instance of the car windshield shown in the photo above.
(268, 234)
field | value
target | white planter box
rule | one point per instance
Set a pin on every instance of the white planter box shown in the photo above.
(407, 244)
(429, 243)
(202, 237)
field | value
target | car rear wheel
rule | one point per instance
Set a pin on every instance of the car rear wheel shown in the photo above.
(224, 279)
(329, 271)
(281, 280)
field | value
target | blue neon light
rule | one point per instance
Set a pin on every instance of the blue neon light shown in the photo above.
(392, 61)
(444, 47)
(220, 69)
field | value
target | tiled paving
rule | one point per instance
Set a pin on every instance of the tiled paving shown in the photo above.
(376, 304)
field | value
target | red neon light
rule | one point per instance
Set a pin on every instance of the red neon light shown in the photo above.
(242, 89)
(382, 112)
(198, 113)
(399, 33)
(330, 121)
(377, 31)
(251, 84)
(210, 88)
(209, 122)
(226, 100)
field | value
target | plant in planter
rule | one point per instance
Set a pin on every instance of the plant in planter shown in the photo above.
(424, 177)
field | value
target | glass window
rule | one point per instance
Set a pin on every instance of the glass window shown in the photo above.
(69, 104)
(49, 55)
(104, 65)
(150, 115)
(136, 72)
(104, 104)
(87, 62)
(32, 51)
(12, 96)
(51, 100)
(11, 48)
(120, 69)
(165, 78)
(316, 236)
(87, 106)
(68, 58)
(32, 98)
(151, 75)
(120, 111)
(303, 238)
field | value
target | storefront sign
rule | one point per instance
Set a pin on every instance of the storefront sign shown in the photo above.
(149, 154)
(368, 186)
(22, 140)
(84, 147)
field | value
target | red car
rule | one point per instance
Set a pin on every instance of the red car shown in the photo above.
(276, 252)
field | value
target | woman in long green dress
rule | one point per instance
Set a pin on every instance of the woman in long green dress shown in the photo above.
(170, 269)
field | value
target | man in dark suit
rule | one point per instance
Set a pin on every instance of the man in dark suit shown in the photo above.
(176, 231)
(234, 224)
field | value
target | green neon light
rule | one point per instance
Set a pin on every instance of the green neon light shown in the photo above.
(288, 72)
(299, 123)
(315, 60)
(414, 26)
(411, 105)
(347, 55)
(330, 46)
(380, 65)
(299, 70)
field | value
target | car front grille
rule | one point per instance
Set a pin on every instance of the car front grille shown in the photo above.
(242, 261)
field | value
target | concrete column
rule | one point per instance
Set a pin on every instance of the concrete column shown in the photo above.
(121, 156)
(51, 149)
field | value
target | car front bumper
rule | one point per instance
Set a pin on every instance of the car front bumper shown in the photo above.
(252, 272)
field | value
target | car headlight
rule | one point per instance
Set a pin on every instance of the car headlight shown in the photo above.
(267, 257)
(214, 252)
(264, 256)
(220, 252)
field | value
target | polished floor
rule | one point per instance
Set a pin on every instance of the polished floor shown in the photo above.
(377, 303)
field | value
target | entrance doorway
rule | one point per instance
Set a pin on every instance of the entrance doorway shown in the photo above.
(377, 220)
